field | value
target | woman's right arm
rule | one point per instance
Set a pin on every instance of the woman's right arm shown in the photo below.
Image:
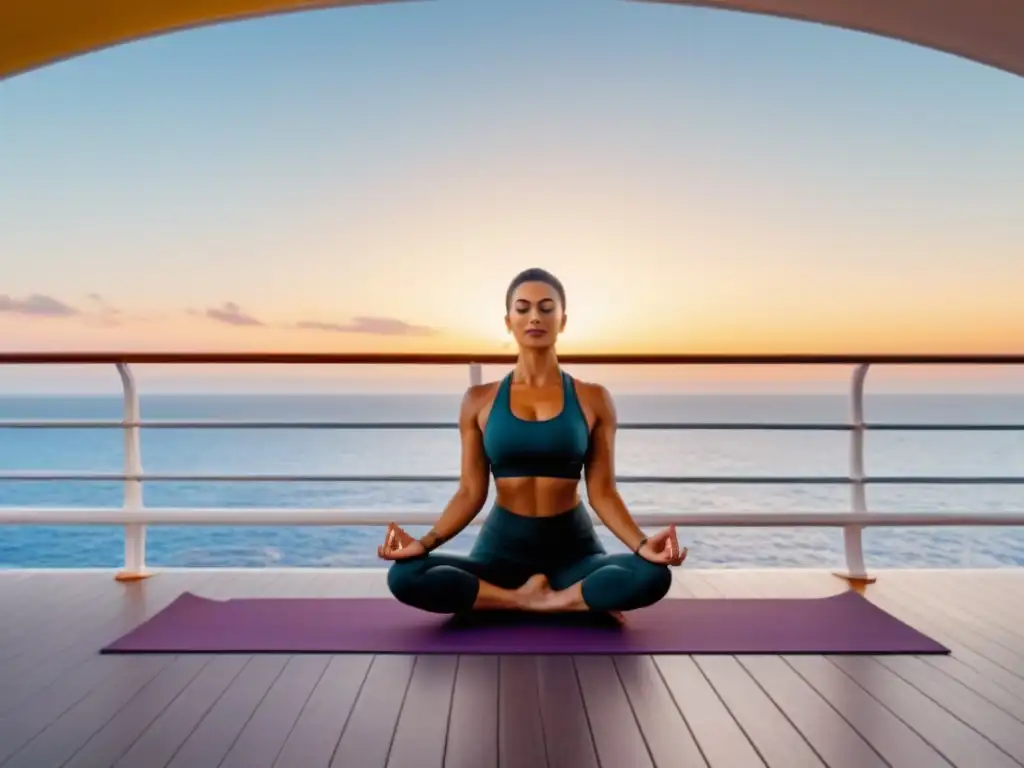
(471, 496)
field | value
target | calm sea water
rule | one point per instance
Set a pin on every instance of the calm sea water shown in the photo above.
(436, 452)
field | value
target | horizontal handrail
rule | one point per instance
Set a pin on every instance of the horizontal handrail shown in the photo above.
(33, 476)
(444, 358)
(134, 516)
(323, 516)
(388, 425)
(657, 426)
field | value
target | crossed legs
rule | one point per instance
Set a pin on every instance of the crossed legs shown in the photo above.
(443, 583)
(606, 584)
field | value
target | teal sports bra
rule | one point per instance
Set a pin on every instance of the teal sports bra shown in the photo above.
(555, 447)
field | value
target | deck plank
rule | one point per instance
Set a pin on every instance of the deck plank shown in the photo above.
(108, 743)
(222, 724)
(831, 737)
(63, 704)
(43, 619)
(985, 719)
(931, 717)
(958, 741)
(984, 657)
(38, 600)
(891, 738)
(899, 744)
(970, 615)
(669, 737)
(319, 726)
(779, 743)
(265, 733)
(567, 733)
(977, 607)
(74, 605)
(65, 648)
(784, 718)
(473, 722)
(48, 691)
(722, 740)
(521, 738)
(156, 746)
(422, 730)
(62, 736)
(216, 733)
(995, 681)
(366, 739)
(616, 732)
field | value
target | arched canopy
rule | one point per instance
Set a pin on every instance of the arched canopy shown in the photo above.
(34, 33)
(988, 31)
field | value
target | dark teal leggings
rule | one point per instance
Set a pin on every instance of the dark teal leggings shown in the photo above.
(512, 548)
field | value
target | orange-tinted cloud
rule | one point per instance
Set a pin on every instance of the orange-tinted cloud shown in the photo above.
(36, 305)
(232, 314)
(44, 306)
(374, 326)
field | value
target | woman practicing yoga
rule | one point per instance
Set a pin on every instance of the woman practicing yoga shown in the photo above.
(537, 430)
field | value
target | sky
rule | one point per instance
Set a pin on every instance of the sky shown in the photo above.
(370, 179)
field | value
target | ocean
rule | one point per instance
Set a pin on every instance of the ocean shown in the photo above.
(436, 452)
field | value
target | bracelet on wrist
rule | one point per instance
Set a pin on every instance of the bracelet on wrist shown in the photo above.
(432, 541)
(640, 546)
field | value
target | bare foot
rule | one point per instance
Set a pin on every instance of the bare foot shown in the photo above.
(535, 591)
(536, 595)
(563, 601)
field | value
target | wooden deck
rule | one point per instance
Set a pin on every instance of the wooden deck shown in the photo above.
(63, 705)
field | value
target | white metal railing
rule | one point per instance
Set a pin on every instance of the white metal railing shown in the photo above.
(134, 516)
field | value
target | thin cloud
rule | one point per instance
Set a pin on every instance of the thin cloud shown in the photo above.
(105, 313)
(232, 314)
(37, 305)
(372, 326)
(96, 310)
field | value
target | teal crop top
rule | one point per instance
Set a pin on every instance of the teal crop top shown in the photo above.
(555, 447)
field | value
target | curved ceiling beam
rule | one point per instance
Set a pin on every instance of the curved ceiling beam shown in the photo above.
(35, 33)
(990, 32)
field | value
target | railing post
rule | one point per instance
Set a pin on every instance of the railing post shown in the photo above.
(853, 541)
(134, 533)
(476, 374)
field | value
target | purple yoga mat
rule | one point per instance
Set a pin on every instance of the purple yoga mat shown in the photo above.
(842, 624)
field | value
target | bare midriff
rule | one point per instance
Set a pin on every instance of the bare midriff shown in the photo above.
(537, 496)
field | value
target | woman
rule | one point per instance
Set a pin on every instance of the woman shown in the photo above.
(537, 430)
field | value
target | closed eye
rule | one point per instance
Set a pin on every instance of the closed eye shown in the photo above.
(546, 306)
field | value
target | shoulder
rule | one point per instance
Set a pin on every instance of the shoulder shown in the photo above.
(476, 398)
(597, 397)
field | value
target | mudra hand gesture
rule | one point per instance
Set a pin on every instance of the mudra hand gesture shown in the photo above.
(399, 545)
(663, 548)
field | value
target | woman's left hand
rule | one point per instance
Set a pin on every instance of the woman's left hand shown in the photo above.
(663, 548)
(399, 545)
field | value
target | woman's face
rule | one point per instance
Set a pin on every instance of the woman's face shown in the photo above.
(535, 316)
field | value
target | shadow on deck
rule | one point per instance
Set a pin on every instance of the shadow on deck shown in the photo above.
(62, 704)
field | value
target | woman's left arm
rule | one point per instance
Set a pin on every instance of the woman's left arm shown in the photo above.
(600, 472)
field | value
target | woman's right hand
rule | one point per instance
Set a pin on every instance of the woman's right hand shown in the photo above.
(399, 545)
